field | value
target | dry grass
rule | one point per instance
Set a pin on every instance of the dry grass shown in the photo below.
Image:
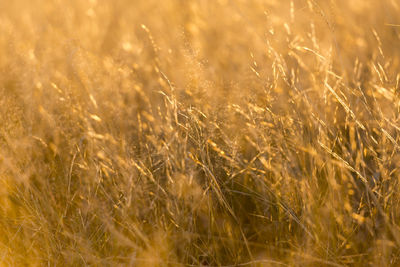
(187, 133)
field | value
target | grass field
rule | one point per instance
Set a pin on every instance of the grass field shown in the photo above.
(200, 133)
